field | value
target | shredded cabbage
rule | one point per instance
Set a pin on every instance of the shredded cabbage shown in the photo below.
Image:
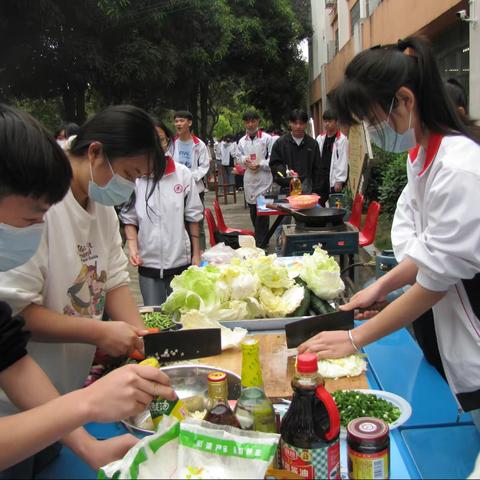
(350, 366)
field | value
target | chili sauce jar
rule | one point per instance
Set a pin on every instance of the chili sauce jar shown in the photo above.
(368, 449)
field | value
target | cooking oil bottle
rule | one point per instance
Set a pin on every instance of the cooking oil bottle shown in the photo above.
(254, 409)
(295, 184)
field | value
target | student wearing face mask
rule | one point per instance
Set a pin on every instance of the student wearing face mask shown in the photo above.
(156, 224)
(398, 91)
(34, 175)
(80, 269)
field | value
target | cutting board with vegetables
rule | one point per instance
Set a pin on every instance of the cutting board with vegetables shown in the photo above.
(278, 364)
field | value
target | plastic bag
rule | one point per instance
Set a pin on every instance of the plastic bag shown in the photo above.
(196, 449)
(218, 254)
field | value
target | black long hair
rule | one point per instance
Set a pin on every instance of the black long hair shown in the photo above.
(31, 162)
(123, 131)
(374, 76)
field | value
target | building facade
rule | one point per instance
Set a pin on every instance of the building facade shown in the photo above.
(342, 28)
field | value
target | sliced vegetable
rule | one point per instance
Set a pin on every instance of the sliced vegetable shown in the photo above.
(157, 320)
(319, 306)
(349, 366)
(352, 404)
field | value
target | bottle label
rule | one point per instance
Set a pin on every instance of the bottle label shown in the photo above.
(368, 465)
(312, 463)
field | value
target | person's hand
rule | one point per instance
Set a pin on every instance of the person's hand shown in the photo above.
(338, 187)
(119, 338)
(368, 300)
(334, 344)
(125, 392)
(98, 453)
(196, 259)
(134, 258)
(251, 165)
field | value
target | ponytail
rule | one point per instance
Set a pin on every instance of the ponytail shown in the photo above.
(375, 75)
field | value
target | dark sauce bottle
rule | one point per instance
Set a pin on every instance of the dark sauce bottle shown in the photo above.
(310, 429)
(218, 409)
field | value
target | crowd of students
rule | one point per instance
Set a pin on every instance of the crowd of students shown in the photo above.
(63, 266)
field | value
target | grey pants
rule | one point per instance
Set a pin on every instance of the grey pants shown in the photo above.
(155, 290)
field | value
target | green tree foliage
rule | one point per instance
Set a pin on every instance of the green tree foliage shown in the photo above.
(157, 54)
(387, 179)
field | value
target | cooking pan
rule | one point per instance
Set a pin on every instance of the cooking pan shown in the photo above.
(314, 217)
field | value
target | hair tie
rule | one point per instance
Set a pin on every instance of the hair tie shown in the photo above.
(406, 49)
(69, 141)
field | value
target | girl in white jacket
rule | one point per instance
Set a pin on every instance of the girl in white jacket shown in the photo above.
(398, 90)
(157, 238)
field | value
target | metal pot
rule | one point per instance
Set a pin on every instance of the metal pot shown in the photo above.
(314, 217)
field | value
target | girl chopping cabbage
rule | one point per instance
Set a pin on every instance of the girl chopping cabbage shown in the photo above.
(398, 91)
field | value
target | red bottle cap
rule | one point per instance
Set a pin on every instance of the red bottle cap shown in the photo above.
(307, 363)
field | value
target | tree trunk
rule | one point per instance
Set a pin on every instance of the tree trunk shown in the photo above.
(204, 109)
(194, 108)
(68, 104)
(81, 115)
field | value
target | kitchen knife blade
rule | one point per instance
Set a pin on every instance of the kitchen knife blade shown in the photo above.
(302, 330)
(183, 344)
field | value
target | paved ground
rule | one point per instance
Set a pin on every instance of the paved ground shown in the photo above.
(237, 216)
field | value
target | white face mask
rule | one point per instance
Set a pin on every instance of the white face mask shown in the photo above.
(117, 191)
(18, 244)
(388, 139)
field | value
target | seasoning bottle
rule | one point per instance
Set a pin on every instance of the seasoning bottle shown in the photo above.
(218, 409)
(368, 449)
(310, 429)
(295, 184)
(159, 406)
(254, 410)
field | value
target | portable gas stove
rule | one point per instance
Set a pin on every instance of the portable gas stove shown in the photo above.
(337, 240)
(342, 240)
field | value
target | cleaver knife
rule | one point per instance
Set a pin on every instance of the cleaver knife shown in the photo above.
(302, 330)
(173, 346)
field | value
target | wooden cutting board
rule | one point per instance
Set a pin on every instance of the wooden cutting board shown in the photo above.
(277, 366)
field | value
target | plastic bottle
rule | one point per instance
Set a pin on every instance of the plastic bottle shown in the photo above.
(310, 429)
(254, 410)
(295, 184)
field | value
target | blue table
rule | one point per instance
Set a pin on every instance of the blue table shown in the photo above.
(432, 444)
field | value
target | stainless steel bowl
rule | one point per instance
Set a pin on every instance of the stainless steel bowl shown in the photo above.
(191, 384)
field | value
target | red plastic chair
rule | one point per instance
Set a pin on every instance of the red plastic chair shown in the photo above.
(356, 216)
(221, 222)
(212, 226)
(369, 230)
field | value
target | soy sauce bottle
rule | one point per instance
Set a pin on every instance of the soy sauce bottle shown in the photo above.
(310, 429)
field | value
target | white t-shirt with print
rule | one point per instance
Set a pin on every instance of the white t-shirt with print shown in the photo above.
(80, 258)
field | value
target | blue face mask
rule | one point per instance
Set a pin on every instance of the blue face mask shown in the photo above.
(386, 138)
(118, 190)
(18, 245)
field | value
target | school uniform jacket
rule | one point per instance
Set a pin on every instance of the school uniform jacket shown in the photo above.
(437, 225)
(339, 164)
(257, 182)
(200, 162)
(163, 241)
